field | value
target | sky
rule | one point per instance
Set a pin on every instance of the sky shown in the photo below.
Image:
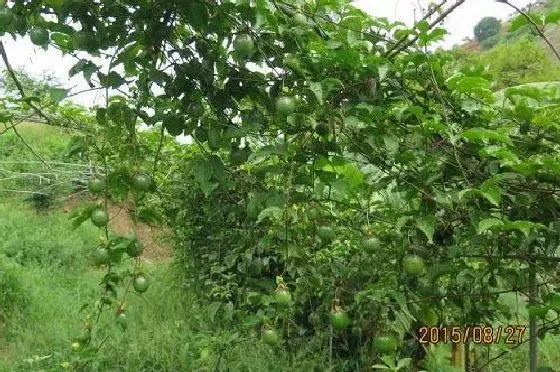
(459, 24)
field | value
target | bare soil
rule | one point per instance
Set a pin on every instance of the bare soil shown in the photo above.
(153, 237)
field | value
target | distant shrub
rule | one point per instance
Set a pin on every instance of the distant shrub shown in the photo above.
(490, 42)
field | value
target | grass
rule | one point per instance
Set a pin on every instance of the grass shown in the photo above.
(53, 277)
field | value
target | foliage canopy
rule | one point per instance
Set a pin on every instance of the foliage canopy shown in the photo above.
(309, 139)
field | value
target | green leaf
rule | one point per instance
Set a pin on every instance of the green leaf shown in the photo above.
(405, 362)
(488, 223)
(552, 17)
(486, 134)
(273, 213)
(380, 366)
(207, 187)
(57, 94)
(524, 226)
(427, 225)
(423, 26)
(391, 143)
(201, 169)
(324, 88)
(331, 84)
(64, 41)
(470, 84)
(317, 88)
(517, 23)
(492, 194)
(79, 216)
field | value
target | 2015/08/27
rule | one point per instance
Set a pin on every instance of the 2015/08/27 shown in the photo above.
(475, 334)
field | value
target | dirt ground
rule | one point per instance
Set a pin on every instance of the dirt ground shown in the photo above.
(153, 237)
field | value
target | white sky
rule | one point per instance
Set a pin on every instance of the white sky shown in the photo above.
(459, 24)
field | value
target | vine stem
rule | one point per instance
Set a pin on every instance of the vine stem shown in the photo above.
(393, 52)
(431, 12)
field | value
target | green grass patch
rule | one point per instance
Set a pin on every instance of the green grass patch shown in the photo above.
(45, 240)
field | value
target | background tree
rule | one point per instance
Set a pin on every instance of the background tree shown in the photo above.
(486, 28)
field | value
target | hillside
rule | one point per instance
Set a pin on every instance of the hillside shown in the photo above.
(518, 55)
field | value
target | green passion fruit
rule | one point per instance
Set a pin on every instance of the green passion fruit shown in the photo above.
(99, 217)
(196, 109)
(282, 297)
(140, 283)
(428, 317)
(142, 182)
(339, 320)
(414, 265)
(135, 249)
(39, 35)
(270, 337)
(370, 244)
(285, 105)
(299, 19)
(95, 185)
(121, 320)
(237, 156)
(385, 344)
(326, 233)
(244, 45)
(102, 256)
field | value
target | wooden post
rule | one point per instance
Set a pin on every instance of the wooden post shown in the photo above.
(458, 355)
(533, 326)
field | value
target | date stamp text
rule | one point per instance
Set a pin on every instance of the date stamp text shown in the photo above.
(511, 334)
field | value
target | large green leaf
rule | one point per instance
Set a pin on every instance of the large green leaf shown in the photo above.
(427, 225)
